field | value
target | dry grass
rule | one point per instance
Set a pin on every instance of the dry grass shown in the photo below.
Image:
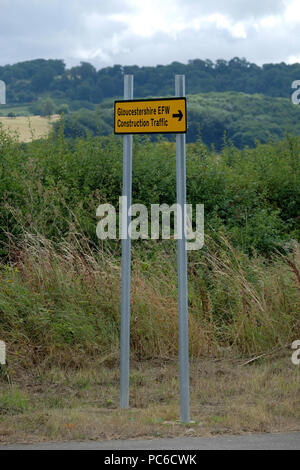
(62, 303)
(30, 128)
(58, 404)
(60, 308)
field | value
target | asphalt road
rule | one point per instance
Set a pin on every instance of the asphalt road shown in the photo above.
(288, 441)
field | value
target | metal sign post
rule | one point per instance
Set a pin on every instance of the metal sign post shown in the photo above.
(126, 257)
(182, 266)
(166, 115)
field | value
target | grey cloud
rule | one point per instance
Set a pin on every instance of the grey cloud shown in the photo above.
(55, 28)
(212, 43)
(52, 16)
(64, 29)
(237, 9)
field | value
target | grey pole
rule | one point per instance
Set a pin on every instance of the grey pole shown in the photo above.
(182, 267)
(126, 258)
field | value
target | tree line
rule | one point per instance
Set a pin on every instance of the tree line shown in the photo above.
(26, 81)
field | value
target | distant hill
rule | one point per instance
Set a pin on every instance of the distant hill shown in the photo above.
(27, 81)
(241, 117)
(237, 98)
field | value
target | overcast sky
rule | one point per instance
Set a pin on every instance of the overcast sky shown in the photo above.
(149, 32)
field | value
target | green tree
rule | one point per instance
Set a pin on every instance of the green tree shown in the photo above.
(47, 107)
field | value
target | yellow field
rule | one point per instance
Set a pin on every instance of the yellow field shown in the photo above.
(28, 128)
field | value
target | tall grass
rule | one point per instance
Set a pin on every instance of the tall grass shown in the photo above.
(60, 286)
(60, 303)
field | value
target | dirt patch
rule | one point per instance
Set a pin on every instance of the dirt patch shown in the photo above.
(64, 404)
(30, 128)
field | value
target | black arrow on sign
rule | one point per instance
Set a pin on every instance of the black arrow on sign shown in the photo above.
(179, 115)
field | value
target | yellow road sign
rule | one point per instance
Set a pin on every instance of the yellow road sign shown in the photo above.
(157, 116)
